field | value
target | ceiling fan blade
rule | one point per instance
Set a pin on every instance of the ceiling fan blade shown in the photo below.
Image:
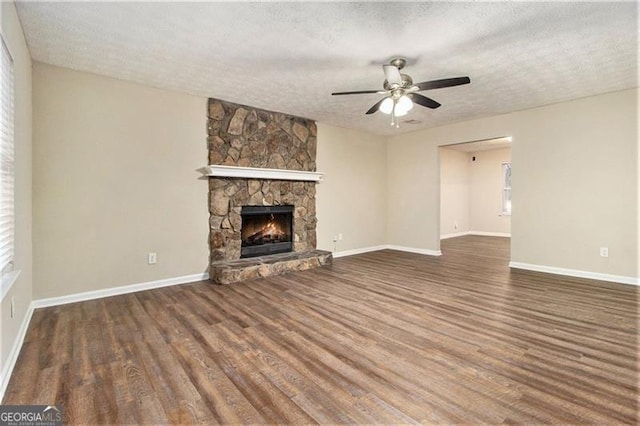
(445, 82)
(358, 92)
(376, 106)
(423, 100)
(392, 73)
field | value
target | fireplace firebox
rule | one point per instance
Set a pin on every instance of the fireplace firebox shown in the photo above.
(266, 230)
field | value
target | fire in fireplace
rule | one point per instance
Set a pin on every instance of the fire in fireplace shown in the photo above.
(266, 230)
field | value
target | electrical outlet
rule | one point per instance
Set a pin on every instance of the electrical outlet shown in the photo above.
(340, 237)
(335, 238)
(604, 251)
(152, 258)
(13, 306)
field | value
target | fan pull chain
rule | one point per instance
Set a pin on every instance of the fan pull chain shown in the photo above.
(394, 120)
(393, 114)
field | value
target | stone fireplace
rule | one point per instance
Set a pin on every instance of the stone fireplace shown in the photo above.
(229, 195)
(266, 158)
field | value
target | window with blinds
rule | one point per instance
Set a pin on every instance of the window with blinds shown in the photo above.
(506, 189)
(7, 165)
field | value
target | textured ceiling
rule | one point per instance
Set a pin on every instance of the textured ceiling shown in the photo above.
(289, 57)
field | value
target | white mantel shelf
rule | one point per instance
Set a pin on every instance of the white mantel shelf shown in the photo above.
(258, 173)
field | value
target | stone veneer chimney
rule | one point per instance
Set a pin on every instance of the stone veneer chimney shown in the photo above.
(250, 137)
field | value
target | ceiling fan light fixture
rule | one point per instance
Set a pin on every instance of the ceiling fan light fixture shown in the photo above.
(403, 105)
(387, 106)
(402, 94)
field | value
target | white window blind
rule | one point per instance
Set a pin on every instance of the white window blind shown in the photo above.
(506, 189)
(7, 165)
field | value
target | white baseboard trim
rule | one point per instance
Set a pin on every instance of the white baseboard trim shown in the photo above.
(415, 250)
(576, 273)
(491, 234)
(114, 291)
(481, 233)
(344, 253)
(454, 235)
(7, 370)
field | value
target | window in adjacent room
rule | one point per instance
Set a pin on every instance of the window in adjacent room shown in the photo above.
(7, 172)
(506, 189)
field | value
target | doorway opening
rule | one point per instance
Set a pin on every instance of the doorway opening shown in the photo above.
(475, 188)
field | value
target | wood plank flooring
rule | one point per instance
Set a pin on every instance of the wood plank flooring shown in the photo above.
(379, 338)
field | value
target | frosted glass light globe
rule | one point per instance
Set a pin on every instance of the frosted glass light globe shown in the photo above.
(386, 106)
(403, 105)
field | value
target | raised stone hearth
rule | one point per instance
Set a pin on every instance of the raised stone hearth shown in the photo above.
(259, 267)
(242, 136)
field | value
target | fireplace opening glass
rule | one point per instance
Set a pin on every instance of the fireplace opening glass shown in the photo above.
(266, 230)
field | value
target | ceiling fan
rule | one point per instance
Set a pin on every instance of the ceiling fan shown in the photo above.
(401, 93)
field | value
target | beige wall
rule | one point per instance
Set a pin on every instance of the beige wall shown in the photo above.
(352, 197)
(115, 178)
(22, 289)
(454, 192)
(485, 192)
(575, 182)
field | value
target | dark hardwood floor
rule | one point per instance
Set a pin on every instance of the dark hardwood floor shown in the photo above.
(379, 338)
